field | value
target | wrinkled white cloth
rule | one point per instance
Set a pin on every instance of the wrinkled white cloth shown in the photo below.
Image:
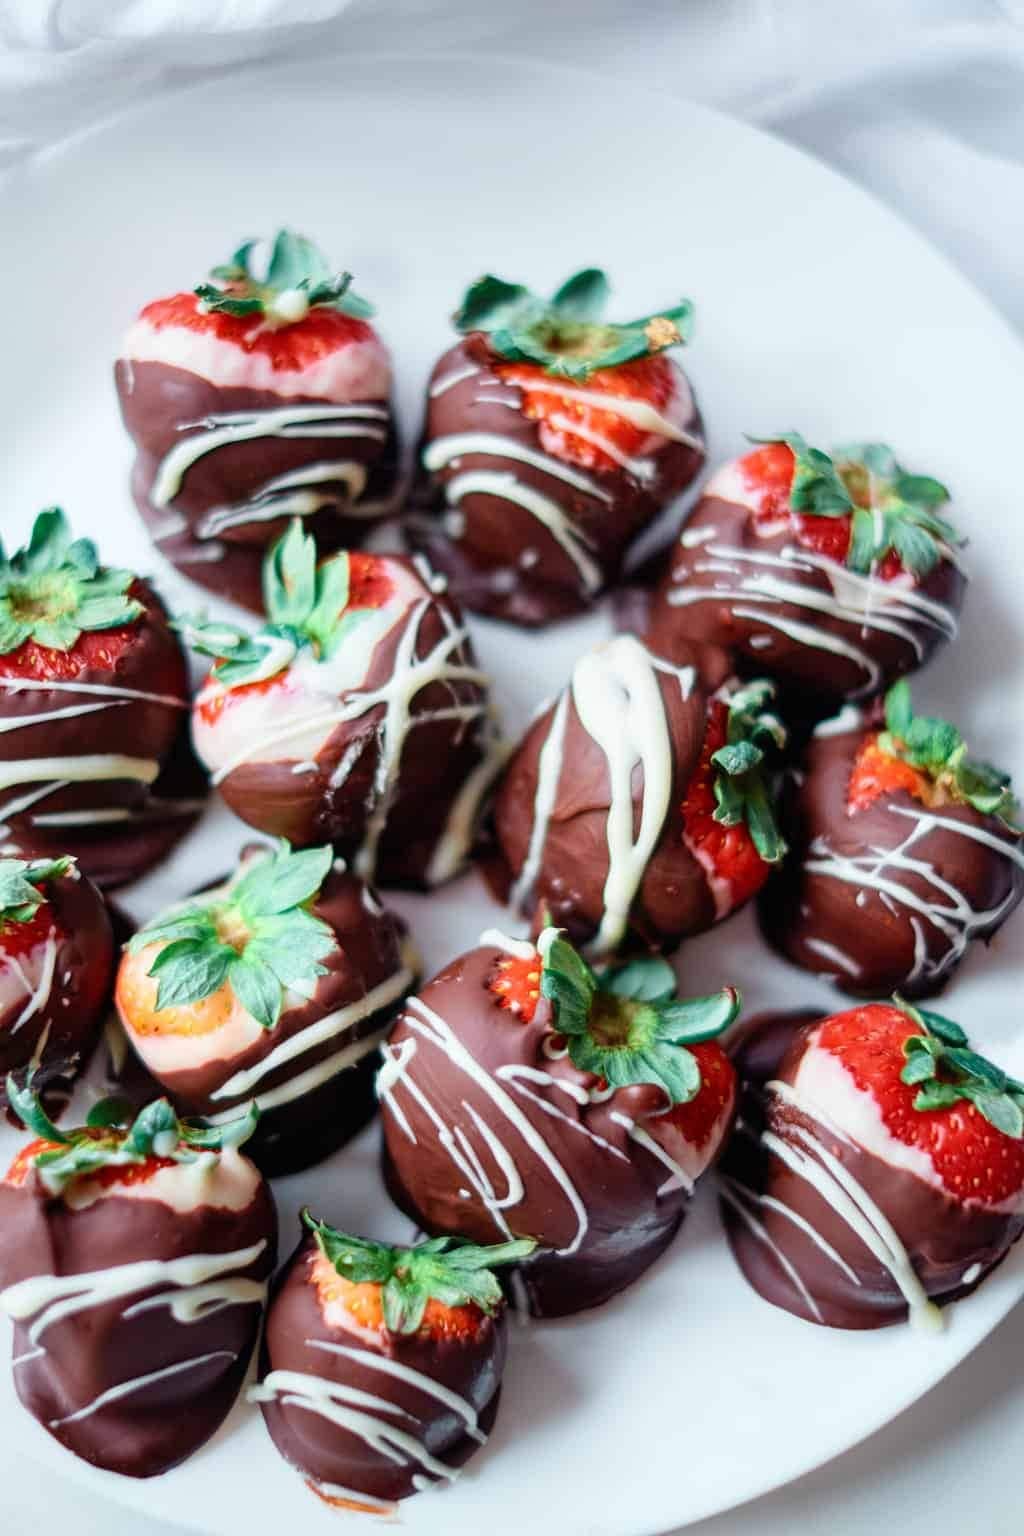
(921, 100)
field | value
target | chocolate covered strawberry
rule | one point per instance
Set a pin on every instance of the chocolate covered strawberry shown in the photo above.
(638, 806)
(525, 1095)
(832, 575)
(357, 715)
(382, 1366)
(56, 969)
(552, 439)
(263, 394)
(271, 988)
(134, 1259)
(93, 699)
(905, 850)
(879, 1169)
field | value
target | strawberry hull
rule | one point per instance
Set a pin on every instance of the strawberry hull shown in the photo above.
(551, 1154)
(787, 612)
(342, 1463)
(92, 755)
(525, 535)
(568, 836)
(887, 898)
(220, 470)
(790, 1228)
(312, 1074)
(125, 1381)
(384, 784)
(55, 992)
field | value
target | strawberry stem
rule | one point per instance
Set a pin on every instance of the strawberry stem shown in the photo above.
(564, 334)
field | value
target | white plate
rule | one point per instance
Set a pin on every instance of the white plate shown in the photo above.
(816, 309)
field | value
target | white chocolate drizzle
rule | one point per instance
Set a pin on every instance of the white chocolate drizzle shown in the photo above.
(288, 422)
(50, 1299)
(437, 1032)
(339, 1022)
(508, 487)
(410, 675)
(618, 701)
(758, 579)
(139, 1384)
(413, 1378)
(948, 914)
(352, 1410)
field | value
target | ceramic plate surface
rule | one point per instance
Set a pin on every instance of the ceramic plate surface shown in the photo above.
(816, 309)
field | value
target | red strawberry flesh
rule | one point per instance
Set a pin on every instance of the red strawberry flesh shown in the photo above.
(972, 1158)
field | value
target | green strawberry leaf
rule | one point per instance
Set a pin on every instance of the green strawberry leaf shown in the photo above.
(54, 589)
(937, 749)
(110, 1138)
(890, 510)
(627, 1026)
(741, 791)
(257, 935)
(20, 881)
(295, 266)
(444, 1269)
(306, 607)
(941, 1061)
(564, 334)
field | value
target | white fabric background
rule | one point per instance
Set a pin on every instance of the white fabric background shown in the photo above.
(920, 100)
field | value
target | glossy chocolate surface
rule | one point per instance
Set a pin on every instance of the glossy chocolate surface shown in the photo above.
(501, 557)
(793, 1242)
(345, 1462)
(785, 612)
(889, 897)
(121, 1382)
(314, 1093)
(54, 995)
(544, 1153)
(202, 528)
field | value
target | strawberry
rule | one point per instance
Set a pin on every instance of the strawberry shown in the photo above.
(108, 1178)
(404, 1335)
(288, 347)
(516, 984)
(364, 1304)
(573, 429)
(108, 1150)
(728, 822)
(56, 962)
(876, 772)
(859, 508)
(705, 1115)
(443, 1288)
(63, 614)
(627, 1025)
(371, 580)
(935, 1095)
(240, 940)
(926, 757)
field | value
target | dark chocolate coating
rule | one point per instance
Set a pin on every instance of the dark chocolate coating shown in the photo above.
(305, 1129)
(945, 1238)
(745, 615)
(615, 1223)
(437, 757)
(162, 1422)
(116, 828)
(163, 405)
(115, 853)
(70, 1010)
(674, 898)
(484, 563)
(327, 1454)
(889, 940)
